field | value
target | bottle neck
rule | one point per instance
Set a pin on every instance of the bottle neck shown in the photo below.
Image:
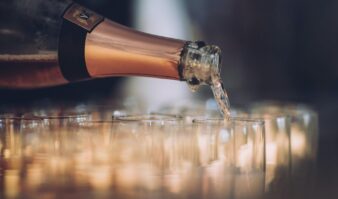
(115, 50)
(199, 64)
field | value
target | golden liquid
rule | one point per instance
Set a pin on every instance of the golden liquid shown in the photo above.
(221, 98)
(220, 94)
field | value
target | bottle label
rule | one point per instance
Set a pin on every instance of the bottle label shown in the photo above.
(82, 17)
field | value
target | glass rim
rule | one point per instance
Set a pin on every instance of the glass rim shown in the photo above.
(147, 118)
(63, 116)
(23, 117)
(170, 115)
(267, 116)
(284, 108)
(236, 120)
(181, 116)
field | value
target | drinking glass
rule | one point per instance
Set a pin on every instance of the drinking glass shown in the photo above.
(304, 130)
(88, 163)
(147, 156)
(277, 147)
(234, 157)
(303, 140)
(18, 137)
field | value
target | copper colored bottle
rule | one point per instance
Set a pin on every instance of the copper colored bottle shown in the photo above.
(70, 43)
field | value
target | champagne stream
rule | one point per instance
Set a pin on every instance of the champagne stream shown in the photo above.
(220, 94)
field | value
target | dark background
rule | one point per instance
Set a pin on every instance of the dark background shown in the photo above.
(281, 50)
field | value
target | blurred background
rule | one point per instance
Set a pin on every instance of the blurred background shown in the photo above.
(281, 50)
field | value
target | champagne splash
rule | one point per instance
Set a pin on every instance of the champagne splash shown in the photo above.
(202, 67)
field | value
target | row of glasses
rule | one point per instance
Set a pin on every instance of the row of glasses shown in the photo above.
(159, 155)
(209, 158)
(37, 153)
(277, 140)
(291, 137)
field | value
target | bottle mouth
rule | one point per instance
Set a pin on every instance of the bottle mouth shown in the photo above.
(199, 63)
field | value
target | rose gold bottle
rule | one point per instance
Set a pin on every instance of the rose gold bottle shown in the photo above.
(88, 46)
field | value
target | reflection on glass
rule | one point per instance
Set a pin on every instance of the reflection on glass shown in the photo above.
(303, 135)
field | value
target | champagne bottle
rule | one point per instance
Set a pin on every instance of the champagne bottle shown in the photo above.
(57, 42)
